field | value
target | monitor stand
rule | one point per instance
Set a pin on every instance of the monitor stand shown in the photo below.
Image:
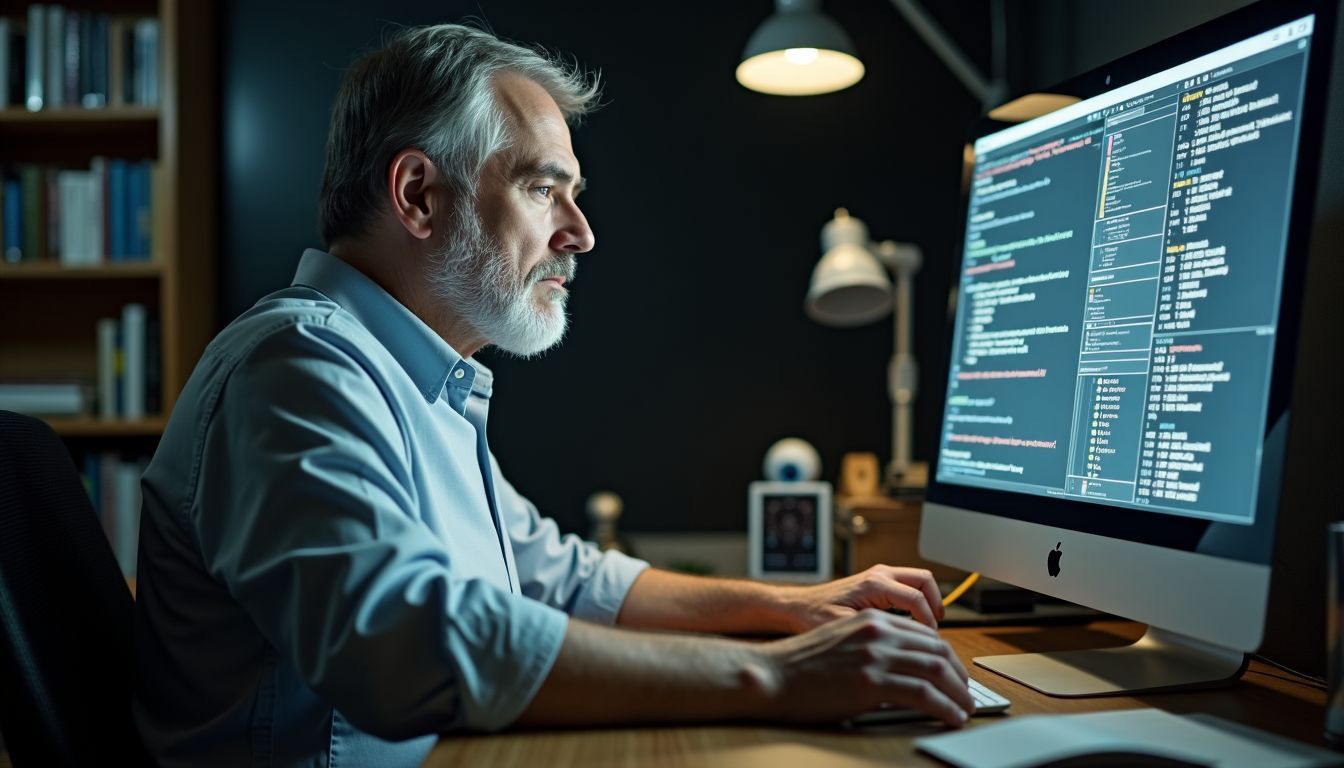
(1159, 660)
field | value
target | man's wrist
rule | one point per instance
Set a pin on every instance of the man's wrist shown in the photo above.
(779, 608)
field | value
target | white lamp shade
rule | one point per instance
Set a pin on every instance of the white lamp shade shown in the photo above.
(799, 51)
(849, 287)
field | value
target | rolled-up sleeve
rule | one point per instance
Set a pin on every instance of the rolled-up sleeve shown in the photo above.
(305, 510)
(563, 571)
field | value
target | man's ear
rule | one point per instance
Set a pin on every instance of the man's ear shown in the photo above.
(415, 190)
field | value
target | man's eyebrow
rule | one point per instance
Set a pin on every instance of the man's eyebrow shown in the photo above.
(551, 170)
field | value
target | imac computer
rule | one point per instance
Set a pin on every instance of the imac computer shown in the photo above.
(1123, 346)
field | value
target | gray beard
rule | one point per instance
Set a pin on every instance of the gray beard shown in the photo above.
(472, 277)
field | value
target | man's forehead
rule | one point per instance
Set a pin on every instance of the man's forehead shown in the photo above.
(539, 131)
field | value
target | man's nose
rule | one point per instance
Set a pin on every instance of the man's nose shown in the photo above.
(573, 235)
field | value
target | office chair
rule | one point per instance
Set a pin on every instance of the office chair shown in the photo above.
(66, 663)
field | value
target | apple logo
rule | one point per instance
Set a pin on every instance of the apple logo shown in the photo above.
(1052, 561)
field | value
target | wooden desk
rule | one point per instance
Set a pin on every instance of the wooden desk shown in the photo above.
(1265, 698)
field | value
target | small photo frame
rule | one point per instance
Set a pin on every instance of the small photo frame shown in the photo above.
(789, 531)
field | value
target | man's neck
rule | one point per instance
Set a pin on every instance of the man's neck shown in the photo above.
(403, 276)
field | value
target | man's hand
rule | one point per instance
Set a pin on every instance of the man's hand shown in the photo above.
(861, 662)
(881, 587)
(831, 673)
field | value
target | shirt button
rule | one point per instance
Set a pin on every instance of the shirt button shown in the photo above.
(459, 373)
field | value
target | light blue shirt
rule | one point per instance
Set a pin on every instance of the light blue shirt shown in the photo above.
(332, 566)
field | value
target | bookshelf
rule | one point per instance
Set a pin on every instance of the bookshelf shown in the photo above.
(49, 310)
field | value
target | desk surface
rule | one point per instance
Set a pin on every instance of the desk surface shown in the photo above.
(1265, 698)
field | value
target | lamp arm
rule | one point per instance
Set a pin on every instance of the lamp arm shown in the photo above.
(980, 87)
(904, 260)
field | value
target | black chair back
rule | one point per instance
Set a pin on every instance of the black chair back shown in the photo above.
(66, 663)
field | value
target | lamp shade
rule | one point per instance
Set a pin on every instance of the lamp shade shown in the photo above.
(849, 287)
(799, 51)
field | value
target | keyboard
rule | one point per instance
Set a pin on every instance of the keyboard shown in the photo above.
(987, 702)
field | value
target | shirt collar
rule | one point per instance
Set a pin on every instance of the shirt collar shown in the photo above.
(428, 360)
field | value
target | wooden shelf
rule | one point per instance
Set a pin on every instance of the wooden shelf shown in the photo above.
(52, 271)
(94, 118)
(84, 427)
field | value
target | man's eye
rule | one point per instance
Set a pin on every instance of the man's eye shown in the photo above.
(543, 191)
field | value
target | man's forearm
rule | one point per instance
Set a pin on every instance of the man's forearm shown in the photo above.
(664, 600)
(605, 675)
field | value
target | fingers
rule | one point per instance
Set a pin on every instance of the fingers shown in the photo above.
(923, 581)
(919, 638)
(898, 595)
(914, 693)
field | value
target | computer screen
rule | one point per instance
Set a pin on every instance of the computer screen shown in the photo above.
(1125, 330)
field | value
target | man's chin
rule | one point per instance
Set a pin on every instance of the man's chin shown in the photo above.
(538, 339)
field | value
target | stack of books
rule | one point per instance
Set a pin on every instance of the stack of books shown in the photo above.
(59, 57)
(77, 217)
(128, 376)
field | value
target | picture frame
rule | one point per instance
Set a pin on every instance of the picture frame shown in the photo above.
(789, 531)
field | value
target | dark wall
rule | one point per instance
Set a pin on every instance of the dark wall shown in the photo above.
(689, 352)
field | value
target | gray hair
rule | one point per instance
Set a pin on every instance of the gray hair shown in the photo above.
(429, 88)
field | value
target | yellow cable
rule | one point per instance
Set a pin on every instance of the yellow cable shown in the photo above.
(961, 589)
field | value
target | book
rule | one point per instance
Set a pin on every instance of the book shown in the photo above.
(118, 212)
(13, 213)
(34, 223)
(34, 96)
(106, 330)
(134, 322)
(4, 63)
(78, 216)
(71, 57)
(54, 398)
(95, 87)
(18, 56)
(138, 201)
(126, 525)
(97, 210)
(116, 62)
(53, 68)
(147, 62)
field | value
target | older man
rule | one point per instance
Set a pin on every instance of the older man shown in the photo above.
(334, 569)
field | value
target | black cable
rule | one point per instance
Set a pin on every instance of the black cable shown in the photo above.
(1310, 680)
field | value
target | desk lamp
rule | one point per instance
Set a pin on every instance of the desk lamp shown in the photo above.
(800, 51)
(849, 288)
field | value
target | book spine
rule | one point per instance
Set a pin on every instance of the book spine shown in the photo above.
(97, 219)
(67, 183)
(52, 207)
(13, 220)
(107, 368)
(147, 61)
(117, 210)
(71, 55)
(141, 219)
(126, 530)
(95, 92)
(54, 68)
(34, 222)
(34, 98)
(4, 63)
(116, 62)
(133, 330)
